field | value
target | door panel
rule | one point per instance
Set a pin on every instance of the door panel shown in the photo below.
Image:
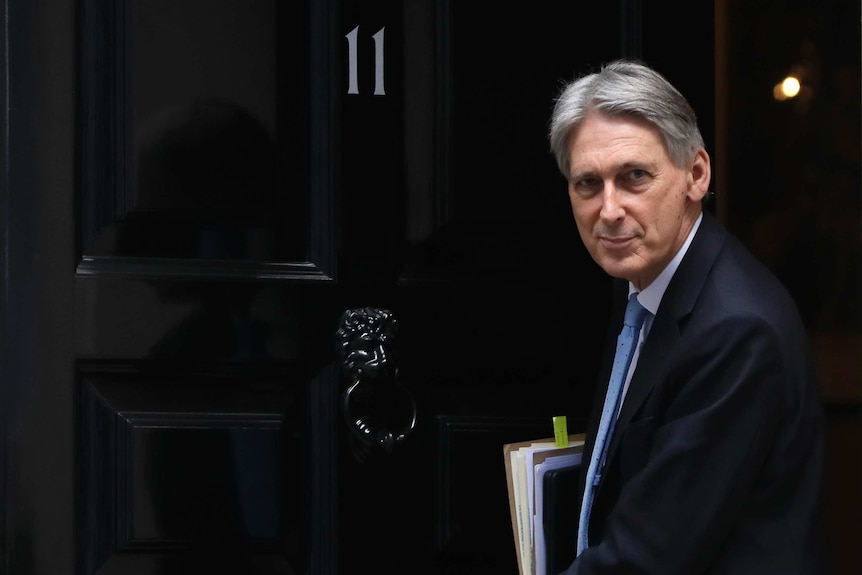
(187, 468)
(194, 140)
(201, 195)
(199, 378)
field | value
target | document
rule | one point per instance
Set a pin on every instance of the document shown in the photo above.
(526, 464)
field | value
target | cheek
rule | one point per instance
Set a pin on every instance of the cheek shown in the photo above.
(668, 215)
(582, 217)
(583, 209)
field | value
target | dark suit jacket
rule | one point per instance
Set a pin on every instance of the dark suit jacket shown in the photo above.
(716, 462)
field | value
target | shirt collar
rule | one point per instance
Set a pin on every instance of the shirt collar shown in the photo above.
(650, 296)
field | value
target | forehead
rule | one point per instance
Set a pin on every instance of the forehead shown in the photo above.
(602, 139)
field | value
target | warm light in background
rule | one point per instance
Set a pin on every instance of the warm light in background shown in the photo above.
(787, 88)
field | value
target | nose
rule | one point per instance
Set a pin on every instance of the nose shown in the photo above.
(612, 209)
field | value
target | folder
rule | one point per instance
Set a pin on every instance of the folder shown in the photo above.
(560, 518)
(533, 483)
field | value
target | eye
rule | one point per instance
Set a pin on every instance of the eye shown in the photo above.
(586, 186)
(635, 178)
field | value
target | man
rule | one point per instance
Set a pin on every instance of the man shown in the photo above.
(714, 461)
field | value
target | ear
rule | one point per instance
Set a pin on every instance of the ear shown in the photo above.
(699, 176)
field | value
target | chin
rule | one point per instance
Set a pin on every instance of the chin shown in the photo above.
(614, 269)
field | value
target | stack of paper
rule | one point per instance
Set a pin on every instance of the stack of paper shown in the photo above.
(526, 464)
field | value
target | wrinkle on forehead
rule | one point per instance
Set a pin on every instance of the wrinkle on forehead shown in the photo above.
(598, 146)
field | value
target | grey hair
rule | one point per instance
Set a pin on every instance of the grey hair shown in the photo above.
(626, 88)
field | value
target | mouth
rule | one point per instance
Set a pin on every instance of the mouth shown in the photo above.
(615, 243)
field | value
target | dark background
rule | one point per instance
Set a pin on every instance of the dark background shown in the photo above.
(191, 198)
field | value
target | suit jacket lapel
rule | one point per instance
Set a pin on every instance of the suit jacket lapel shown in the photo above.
(676, 304)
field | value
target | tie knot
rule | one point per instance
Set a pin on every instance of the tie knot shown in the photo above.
(635, 312)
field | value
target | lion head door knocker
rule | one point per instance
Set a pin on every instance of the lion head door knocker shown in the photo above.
(379, 410)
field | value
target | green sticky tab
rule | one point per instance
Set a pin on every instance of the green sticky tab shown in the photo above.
(561, 433)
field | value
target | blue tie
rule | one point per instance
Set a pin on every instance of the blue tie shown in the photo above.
(626, 342)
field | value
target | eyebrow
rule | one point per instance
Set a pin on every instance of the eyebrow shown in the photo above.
(623, 167)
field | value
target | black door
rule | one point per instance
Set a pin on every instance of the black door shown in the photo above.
(194, 194)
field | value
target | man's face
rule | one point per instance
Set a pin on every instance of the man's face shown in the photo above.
(633, 206)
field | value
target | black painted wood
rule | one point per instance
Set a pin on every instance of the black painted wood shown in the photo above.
(139, 329)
